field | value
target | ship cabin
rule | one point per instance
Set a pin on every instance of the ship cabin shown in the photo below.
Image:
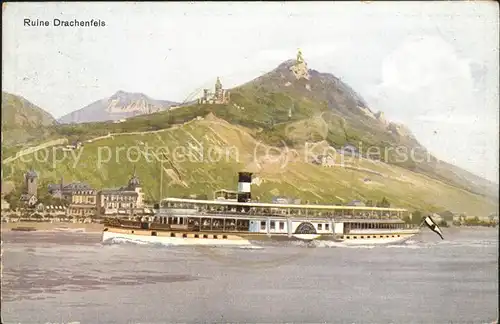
(227, 215)
(226, 195)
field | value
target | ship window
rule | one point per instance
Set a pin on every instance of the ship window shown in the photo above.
(196, 236)
(153, 233)
(393, 236)
(348, 237)
(398, 235)
(273, 225)
(387, 236)
(224, 236)
(327, 227)
(205, 236)
(342, 237)
(368, 236)
(184, 235)
(320, 227)
(355, 237)
(215, 237)
(132, 232)
(362, 236)
(172, 234)
(282, 225)
(263, 225)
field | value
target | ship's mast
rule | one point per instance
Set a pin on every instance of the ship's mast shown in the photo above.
(161, 180)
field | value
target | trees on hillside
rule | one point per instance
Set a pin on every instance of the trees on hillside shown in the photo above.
(13, 198)
(384, 203)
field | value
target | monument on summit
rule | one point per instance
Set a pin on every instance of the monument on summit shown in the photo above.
(300, 69)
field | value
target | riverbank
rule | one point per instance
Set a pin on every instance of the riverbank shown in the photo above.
(56, 226)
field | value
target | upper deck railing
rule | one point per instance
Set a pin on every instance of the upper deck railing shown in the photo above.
(212, 207)
(270, 205)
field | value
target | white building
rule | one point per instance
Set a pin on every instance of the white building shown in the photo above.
(127, 200)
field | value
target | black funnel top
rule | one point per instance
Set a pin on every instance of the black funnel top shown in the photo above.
(245, 177)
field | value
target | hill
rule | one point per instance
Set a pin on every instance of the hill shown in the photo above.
(205, 154)
(291, 108)
(346, 119)
(119, 106)
(22, 121)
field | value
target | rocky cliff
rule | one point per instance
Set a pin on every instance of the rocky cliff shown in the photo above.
(119, 106)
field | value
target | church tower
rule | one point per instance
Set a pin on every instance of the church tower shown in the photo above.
(31, 179)
(135, 185)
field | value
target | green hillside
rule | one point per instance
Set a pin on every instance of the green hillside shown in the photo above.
(22, 121)
(278, 108)
(195, 167)
(276, 112)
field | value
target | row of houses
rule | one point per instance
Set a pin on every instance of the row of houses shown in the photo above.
(84, 201)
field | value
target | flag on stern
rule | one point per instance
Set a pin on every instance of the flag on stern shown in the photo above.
(433, 226)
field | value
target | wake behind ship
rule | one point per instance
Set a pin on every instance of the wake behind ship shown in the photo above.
(233, 219)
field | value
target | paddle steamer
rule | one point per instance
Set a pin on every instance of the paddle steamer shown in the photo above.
(233, 219)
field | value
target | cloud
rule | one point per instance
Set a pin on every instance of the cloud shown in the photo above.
(425, 75)
(421, 62)
(444, 98)
(449, 119)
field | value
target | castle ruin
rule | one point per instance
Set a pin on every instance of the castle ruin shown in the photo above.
(220, 96)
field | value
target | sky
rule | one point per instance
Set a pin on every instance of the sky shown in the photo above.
(430, 65)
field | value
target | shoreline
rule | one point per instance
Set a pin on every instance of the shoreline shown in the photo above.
(47, 226)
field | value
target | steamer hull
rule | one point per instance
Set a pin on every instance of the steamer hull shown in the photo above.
(374, 232)
(392, 239)
(299, 230)
(116, 234)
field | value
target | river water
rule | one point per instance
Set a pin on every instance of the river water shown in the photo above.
(73, 278)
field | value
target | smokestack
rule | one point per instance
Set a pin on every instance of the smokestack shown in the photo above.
(244, 186)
